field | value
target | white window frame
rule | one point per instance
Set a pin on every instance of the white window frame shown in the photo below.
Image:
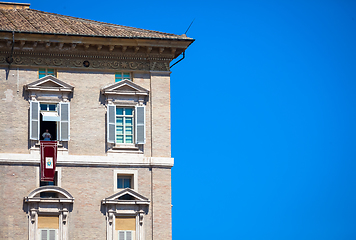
(134, 178)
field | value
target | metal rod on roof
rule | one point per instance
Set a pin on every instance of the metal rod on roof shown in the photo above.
(189, 26)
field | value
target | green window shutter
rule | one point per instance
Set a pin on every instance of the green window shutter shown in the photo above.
(111, 123)
(64, 112)
(34, 120)
(140, 133)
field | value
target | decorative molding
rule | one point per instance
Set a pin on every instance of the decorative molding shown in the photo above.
(77, 62)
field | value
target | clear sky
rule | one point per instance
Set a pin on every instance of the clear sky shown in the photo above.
(263, 114)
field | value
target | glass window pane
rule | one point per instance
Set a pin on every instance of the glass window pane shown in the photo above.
(117, 79)
(41, 75)
(119, 121)
(43, 107)
(119, 111)
(119, 130)
(129, 139)
(127, 183)
(119, 139)
(118, 75)
(128, 111)
(128, 121)
(128, 130)
(120, 183)
(42, 70)
(126, 75)
(52, 107)
(50, 71)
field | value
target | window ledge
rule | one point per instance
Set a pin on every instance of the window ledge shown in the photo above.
(60, 148)
(125, 148)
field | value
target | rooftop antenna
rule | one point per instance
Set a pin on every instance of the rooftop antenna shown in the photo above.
(185, 34)
(189, 26)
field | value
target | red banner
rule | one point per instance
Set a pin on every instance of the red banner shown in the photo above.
(48, 160)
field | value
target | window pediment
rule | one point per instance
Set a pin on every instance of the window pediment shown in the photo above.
(125, 87)
(49, 84)
(126, 196)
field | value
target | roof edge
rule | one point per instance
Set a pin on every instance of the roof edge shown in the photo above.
(13, 5)
(101, 36)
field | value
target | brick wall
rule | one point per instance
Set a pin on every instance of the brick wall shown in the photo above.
(16, 182)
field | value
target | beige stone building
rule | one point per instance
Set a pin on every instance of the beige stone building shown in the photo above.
(103, 93)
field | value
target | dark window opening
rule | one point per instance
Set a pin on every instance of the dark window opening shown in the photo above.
(51, 126)
(48, 183)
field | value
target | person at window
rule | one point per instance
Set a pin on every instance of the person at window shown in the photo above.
(46, 136)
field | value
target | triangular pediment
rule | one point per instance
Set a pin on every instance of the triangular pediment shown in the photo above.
(126, 196)
(49, 83)
(125, 87)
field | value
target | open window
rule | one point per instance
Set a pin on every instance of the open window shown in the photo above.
(48, 216)
(126, 115)
(125, 213)
(49, 109)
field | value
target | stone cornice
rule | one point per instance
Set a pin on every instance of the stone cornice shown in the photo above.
(77, 160)
(53, 60)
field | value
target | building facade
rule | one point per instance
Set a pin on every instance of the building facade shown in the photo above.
(102, 92)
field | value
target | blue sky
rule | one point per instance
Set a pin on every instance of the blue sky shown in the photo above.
(263, 114)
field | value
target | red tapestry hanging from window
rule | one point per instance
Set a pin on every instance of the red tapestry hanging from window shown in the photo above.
(48, 160)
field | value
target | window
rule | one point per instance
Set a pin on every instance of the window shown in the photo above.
(48, 234)
(125, 117)
(48, 217)
(48, 227)
(126, 227)
(119, 76)
(42, 72)
(51, 117)
(125, 213)
(125, 179)
(124, 125)
(54, 183)
(48, 107)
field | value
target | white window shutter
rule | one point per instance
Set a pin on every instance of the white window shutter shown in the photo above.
(140, 131)
(64, 112)
(128, 235)
(44, 234)
(34, 120)
(111, 113)
(122, 235)
(52, 234)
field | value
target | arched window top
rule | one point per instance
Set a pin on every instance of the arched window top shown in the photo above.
(62, 195)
